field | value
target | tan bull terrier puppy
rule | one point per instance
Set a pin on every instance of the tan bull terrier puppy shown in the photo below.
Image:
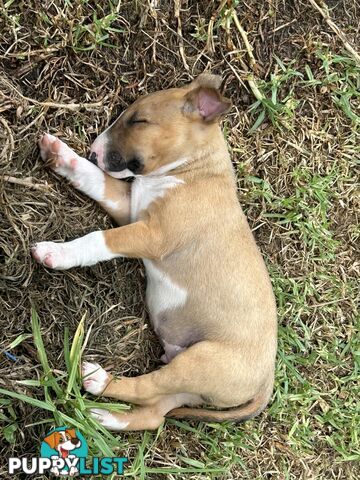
(208, 291)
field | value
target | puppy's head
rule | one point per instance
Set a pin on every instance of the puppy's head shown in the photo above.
(161, 128)
(63, 441)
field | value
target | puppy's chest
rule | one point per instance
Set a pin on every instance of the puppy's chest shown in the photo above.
(145, 190)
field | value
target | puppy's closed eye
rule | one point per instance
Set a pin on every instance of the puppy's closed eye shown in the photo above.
(135, 119)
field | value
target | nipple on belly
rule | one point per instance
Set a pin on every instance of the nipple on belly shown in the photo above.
(171, 351)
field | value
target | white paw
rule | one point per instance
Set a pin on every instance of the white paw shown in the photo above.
(82, 174)
(53, 255)
(81, 252)
(64, 160)
(108, 419)
(95, 378)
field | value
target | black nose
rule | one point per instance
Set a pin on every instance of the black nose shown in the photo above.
(75, 441)
(93, 158)
(114, 162)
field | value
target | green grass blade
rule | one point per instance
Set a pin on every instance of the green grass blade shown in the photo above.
(18, 340)
(33, 401)
(35, 325)
(75, 355)
(66, 348)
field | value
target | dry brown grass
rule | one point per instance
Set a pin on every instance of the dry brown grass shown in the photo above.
(64, 70)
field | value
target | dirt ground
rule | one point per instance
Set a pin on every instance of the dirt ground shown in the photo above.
(69, 67)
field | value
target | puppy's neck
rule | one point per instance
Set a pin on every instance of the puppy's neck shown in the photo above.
(206, 160)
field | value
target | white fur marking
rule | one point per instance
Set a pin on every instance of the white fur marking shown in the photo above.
(100, 144)
(162, 293)
(168, 167)
(95, 378)
(146, 189)
(107, 419)
(82, 252)
(122, 174)
(111, 204)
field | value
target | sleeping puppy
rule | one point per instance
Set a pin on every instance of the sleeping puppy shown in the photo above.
(208, 291)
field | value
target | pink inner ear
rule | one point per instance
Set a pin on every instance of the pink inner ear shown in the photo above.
(209, 104)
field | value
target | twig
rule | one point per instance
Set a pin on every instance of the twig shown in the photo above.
(253, 65)
(9, 140)
(185, 40)
(68, 106)
(33, 52)
(26, 182)
(280, 27)
(249, 49)
(210, 47)
(179, 32)
(324, 11)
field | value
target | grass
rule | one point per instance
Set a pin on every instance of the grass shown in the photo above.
(294, 138)
(62, 401)
(63, 404)
(339, 76)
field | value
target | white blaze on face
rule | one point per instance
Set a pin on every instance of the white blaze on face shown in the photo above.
(100, 144)
(99, 148)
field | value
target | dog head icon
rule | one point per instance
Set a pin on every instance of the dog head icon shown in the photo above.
(63, 441)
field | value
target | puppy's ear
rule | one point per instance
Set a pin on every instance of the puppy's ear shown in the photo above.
(207, 80)
(71, 432)
(53, 439)
(205, 102)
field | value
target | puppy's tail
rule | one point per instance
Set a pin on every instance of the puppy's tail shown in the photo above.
(237, 414)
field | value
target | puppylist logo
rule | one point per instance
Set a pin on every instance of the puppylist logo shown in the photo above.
(63, 452)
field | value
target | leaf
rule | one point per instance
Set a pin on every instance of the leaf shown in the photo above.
(18, 340)
(192, 462)
(66, 348)
(9, 432)
(35, 325)
(33, 401)
(75, 354)
(258, 122)
(30, 383)
(38, 341)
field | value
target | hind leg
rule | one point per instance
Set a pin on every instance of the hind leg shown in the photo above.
(207, 372)
(143, 418)
(212, 371)
(224, 379)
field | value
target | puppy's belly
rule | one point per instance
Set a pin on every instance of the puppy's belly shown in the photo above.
(162, 297)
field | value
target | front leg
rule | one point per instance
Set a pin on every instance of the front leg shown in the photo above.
(112, 194)
(134, 240)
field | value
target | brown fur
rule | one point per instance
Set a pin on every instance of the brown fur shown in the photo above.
(118, 191)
